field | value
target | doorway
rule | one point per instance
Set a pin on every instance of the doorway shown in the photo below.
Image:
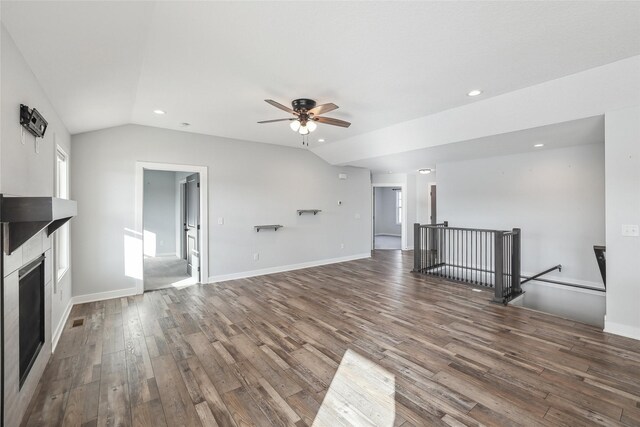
(388, 217)
(171, 206)
(171, 220)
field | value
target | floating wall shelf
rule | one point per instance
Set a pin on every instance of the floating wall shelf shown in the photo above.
(303, 211)
(273, 227)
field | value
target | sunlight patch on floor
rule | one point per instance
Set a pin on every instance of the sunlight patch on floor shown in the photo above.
(362, 393)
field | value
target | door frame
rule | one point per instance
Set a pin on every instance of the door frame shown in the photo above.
(204, 213)
(403, 227)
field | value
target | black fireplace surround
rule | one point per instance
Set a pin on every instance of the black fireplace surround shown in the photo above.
(31, 314)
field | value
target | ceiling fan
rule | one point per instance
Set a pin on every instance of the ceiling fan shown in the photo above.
(306, 113)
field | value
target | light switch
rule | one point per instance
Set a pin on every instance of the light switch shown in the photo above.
(630, 230)
(220, 221)
(357, 216)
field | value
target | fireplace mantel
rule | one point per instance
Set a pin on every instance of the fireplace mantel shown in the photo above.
(24, 217)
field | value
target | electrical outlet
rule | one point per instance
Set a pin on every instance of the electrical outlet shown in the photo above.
(256, 256)
(221, 221)
(341, 245)
(357, 216)
(630, 230)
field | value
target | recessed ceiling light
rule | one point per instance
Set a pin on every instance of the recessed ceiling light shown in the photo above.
(321, 140)
(389, 172)
(539, 145)
(475, 92)
(160, 112)
(424, 171)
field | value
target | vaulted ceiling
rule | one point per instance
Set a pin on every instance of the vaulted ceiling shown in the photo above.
(212, 64)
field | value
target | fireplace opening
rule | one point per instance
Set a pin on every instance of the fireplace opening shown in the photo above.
(31, 314)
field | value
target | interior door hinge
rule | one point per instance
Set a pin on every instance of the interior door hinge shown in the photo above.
(198, 185)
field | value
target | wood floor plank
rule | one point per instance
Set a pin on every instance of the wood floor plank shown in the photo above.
(177, 405)
(319, 346)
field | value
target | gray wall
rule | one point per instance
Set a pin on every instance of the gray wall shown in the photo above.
(160, 206)
(555, 196)
(23, 172)
(385, 205)
(249, 184)
(622, 133)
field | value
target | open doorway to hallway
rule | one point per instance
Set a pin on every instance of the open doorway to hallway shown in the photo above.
(171, 224)
(388, 206)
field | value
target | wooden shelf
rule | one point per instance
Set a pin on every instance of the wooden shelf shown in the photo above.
(273, 227)
(27, 216)
(304, 211)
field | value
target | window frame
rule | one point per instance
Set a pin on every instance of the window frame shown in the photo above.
(399, 207)
(62, 238)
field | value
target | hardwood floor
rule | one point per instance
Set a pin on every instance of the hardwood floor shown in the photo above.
(358, 343)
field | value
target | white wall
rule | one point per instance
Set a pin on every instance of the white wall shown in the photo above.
(555, 196)
(622, 136)
(386, 212)
(23, 172)
(160, 205)
(249, 184)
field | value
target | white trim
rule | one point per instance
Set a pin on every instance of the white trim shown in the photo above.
(388, 234)
(283, 268)
(100, 296)
(55, 337)
(403, 226)
(622, 330)
(204, 211)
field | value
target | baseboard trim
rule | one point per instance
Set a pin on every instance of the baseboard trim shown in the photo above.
(163, 254)
(284, 268)
(99, 296)
(622, 330)
(63, 321)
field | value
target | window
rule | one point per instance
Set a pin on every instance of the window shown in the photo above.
(398, 206)
(62, 234)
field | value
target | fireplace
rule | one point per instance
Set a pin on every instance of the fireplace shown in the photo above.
(31, 314)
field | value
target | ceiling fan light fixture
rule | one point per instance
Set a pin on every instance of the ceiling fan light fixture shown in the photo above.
(295, 125)
(304, 130)
(311, 125)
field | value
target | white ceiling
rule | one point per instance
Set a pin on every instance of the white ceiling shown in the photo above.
(212, 63)
(575, 132)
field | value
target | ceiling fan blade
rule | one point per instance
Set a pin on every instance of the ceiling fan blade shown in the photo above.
(278, 120)
(280, 106)
(324, 108)
(334, 122)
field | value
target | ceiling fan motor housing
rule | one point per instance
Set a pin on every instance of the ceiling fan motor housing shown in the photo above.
(303, 104)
